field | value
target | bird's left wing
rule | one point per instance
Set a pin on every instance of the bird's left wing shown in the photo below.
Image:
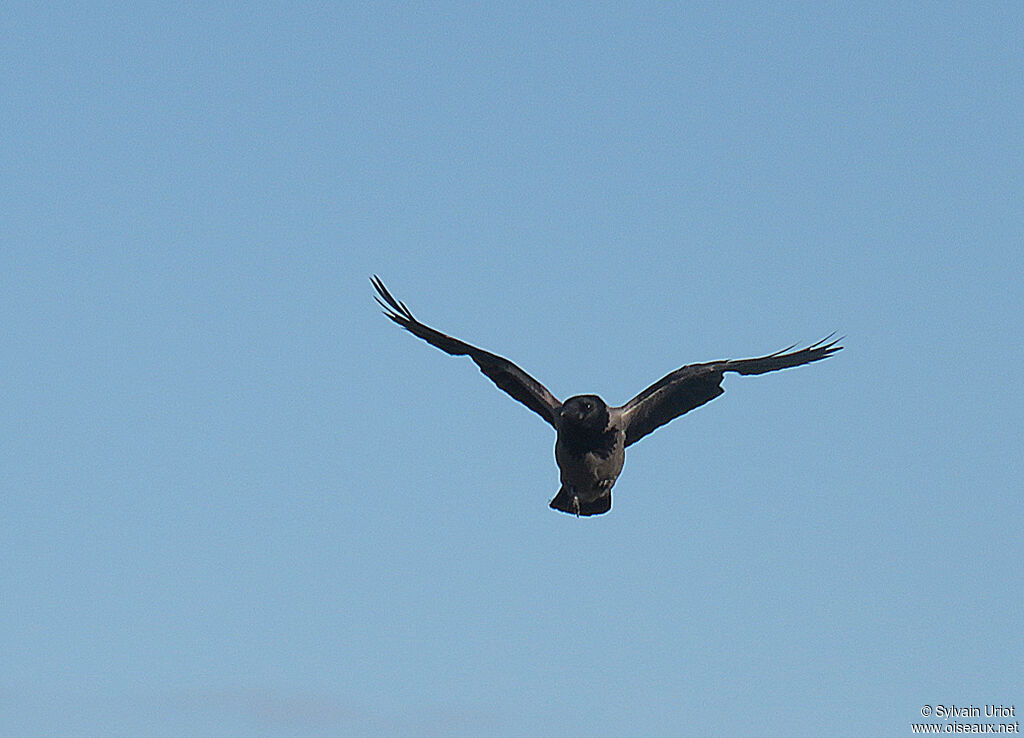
(693, 385)
(501, 371)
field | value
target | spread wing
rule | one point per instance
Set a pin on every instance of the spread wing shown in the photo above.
(693, 385)
(502, 372)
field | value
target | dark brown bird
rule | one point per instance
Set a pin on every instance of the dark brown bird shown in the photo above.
(592, 437)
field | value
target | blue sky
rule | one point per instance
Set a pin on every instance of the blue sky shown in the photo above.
(239, 502)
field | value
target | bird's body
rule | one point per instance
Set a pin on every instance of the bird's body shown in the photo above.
(590, 448)
(590, 451)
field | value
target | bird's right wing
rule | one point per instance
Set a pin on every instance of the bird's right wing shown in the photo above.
(501, 371)
(693, 385)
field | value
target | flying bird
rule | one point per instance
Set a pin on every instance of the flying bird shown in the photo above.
(592, 437)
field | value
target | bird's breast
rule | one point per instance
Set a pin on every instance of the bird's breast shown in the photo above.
(592, 458)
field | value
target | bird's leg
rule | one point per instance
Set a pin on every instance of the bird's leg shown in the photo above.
(576, 504)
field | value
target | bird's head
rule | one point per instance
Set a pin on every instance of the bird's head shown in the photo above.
(585, 411)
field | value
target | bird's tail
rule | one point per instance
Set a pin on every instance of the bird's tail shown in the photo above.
(567, 502)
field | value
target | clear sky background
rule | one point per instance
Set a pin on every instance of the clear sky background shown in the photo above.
(237, 501)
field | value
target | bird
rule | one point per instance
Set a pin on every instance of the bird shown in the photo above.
(592, 437)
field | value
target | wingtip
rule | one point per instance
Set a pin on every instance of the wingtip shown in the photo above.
(827, 342)
(831, 344)
(394, 309)
(383, 297)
